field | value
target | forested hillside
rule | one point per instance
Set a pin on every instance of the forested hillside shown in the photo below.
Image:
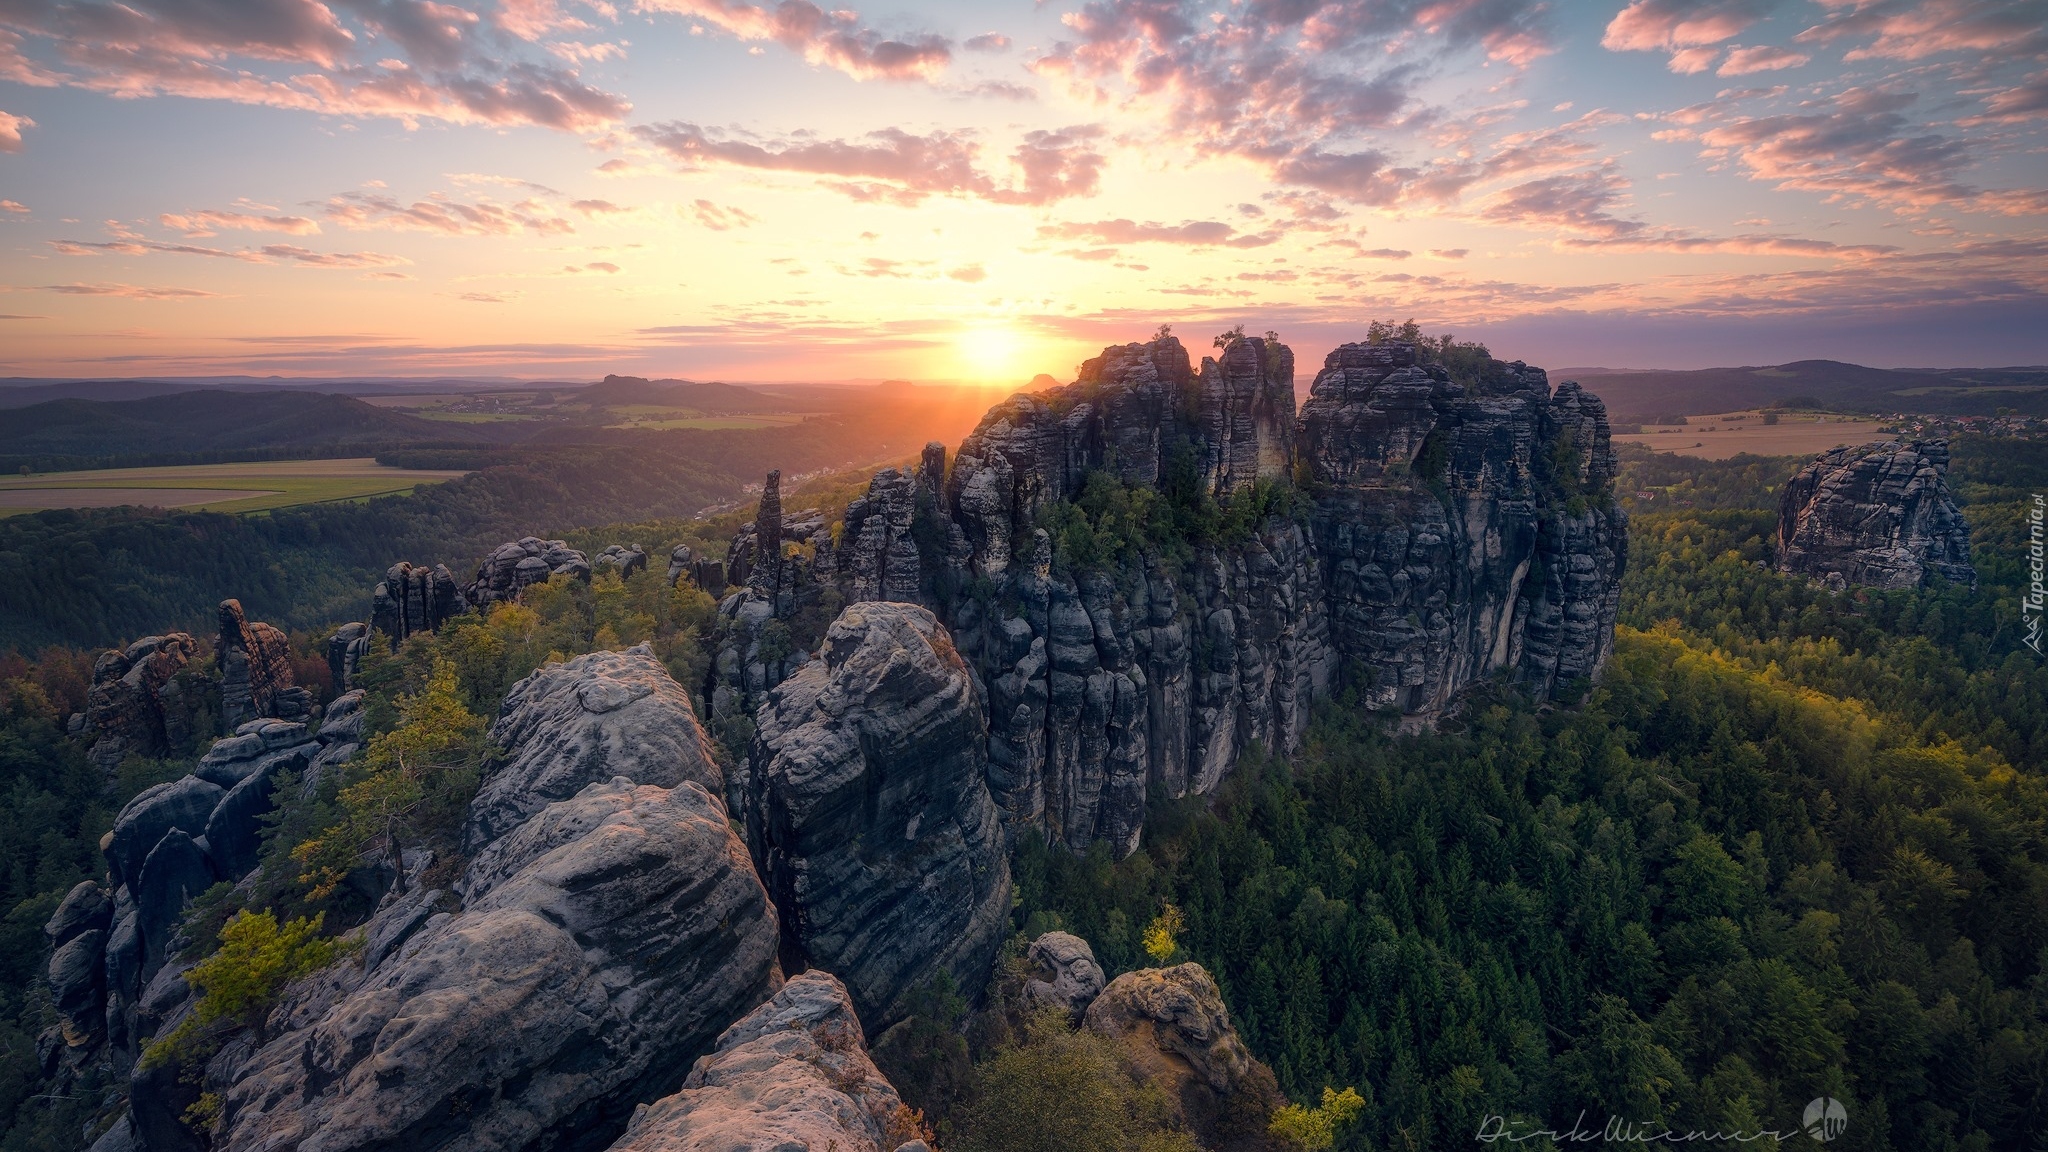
(1794, 844)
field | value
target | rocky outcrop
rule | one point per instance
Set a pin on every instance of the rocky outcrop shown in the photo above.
(587, 720)
(597, 951)
(1173, 1026)
(1877, 515)
(255, 667)
(528, 560)
(345, 652)
(1407, 534)
(706, 574)
(794, 1073)
(136, 705)
(1064, 974)
(626, 559)
(414, 598)
(866, 807)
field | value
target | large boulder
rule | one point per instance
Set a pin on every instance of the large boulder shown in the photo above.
(867, 811)
(1064, 975)
(585, 720)
(1878, 515)
(183, 804)
(131, 707)
(529, 560)
(601, 947)
(793, 1074)
(1173, 1026)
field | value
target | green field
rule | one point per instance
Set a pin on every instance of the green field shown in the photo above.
(269, 485)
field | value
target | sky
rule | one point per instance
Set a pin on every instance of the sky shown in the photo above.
(982, 191)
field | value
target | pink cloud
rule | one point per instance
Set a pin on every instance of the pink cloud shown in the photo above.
(721, 219)
(437, 213)
(1194, 233)
(1654, 25)
(1916, 29)
(131, 291)
(894, 166)
(299, 54)
(10, 131)
(208, 221)
(13, 206)
(832, 39)
(1762, 58)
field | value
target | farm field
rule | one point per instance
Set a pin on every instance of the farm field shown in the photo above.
(1729, 434)
(258, 486)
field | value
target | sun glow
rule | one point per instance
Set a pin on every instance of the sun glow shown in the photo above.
(989, 353)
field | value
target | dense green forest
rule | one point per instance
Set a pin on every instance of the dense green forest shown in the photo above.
(1794, 843)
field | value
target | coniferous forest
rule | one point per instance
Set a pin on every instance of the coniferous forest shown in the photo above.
(1793, 843)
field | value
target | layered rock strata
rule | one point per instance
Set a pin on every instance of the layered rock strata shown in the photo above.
(1175, 1029)
(528, 560)
(135, 706)
(414, 598)
(1414, 536)
(1877, 515)
(253, 661)
(793, 1073)
(595, 951)
(868, 814)
(586, 720)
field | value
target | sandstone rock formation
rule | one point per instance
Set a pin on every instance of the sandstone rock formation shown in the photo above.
(625, 558)
(414, 599)
(528, 560)
(598, 949)
(705, 573)
(134, 706)
(1419, 534)
(1878, 515)
(868, 815)
(587, 720)
(794, 1073)
(345, 651)
(1064, 974)
(1174, 1027)
(254, 663)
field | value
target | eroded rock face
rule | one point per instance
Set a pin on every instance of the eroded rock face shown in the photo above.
(1065, 974)
(414, 598)
(132, 707)
(254, 662)
(599, 949)
(528, 560)
(1173, 1025)
(626, 559)
(867, 811)
(1445, 533)
(794, 1073)
(586, 720)
(1878, 515)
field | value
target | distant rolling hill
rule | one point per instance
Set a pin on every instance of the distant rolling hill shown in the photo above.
(708, 398)
(1638, 396)
(214, 421)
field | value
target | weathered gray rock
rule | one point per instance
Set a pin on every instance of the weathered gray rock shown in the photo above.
(83, 909)
(254, 662)
(626, 559)
(176, 872)
(868, 814)
(793, 1074)
(1878, 515)
(77, 973)
(528, 560)
(603, 946)
(130, 707)
(412, 599)
(1175, 1030)
(589, 719)
(704, 572)
(251, 750)
(1446, 533)
(183, 804)
(345, 652)
(1064, 974)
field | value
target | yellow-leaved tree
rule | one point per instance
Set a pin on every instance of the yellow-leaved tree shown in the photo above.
(410, 784)
(1316, 1128)
(1162, 936)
